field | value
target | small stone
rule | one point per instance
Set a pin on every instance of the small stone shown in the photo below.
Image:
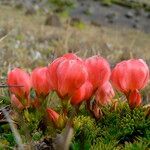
(138, 12)
(95, 23)
(75, 20)
(137, 20)
(53, 20)
(36, 55)
(19, 5)
(148, 16)
(145, 5)
(88, 11)
(111, 17)
(30, 11)
(46, 144)
(129, 14)
(136, 26)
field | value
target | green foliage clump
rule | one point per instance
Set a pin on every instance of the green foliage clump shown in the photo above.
(62, 5)
(7, 140)
(136, 146)
(118, 128)
(106, 2)
(103, 146)
(122, 127)
(85, 132)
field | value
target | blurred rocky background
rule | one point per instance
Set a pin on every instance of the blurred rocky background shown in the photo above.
(34, 32)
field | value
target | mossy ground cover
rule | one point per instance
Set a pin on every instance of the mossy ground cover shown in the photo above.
(119, 127)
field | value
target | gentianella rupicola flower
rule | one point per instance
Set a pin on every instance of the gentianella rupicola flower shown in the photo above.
(58, 120)
(52, 115)
(129, 77)
(71, 56)
(40, 81)
(67, 74)
(84, 93)
(52, 69)
(104, 94)
(98, 70)
(20, 84)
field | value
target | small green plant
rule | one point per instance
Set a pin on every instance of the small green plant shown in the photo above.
(62, 5)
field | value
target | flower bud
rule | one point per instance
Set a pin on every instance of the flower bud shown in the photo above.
(85, 92)
(104, 94)
(21, 80)
(98, 70)
(40, 81)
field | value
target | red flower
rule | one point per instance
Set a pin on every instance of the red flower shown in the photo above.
(67, 74)
(52, 115)
(40, 81)
(98, 70)
(71, 75)
(15, 102)
(52, 69)
(85, 92)
(58, 120)
(71, 56)
(130, 76)
(104, 94)
(20, 78)
(134, 99)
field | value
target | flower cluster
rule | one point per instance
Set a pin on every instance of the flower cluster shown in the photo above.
(129, 77)
(77, 80)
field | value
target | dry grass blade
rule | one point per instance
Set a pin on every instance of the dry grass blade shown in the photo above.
(14, 130)
(63, 140)
(5, 86)
(1, 39)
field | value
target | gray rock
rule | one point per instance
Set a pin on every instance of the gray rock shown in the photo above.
(36, 55)
(30, 11)
(111, 17)
(95, 23)
(137, 19)
(148, 16)
(46, 144)
(138, 12)
(53, 20)
(136, 25)
(74, 20)
(129, 14)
